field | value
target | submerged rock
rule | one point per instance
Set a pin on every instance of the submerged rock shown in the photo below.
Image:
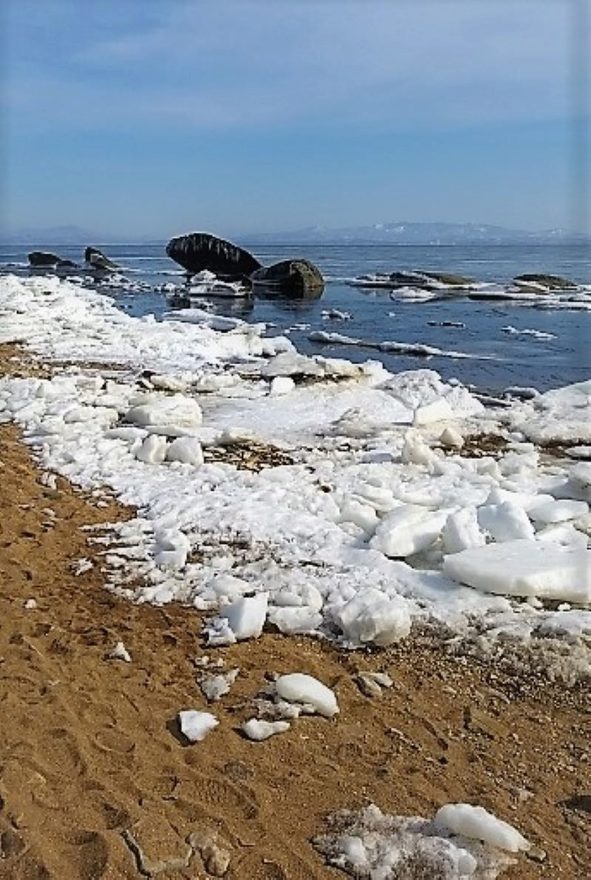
(46, 260)
(97, 260)
(418, 279)
(543, 282)
(200, 250)
(299, 278)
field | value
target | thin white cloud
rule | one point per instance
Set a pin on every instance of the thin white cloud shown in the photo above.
(237, 63)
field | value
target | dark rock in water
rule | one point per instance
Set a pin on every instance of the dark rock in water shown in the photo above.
(297, 278)
(450, 279)
(97, 260)
(544, 282)
(46, 260)
(422, 280)
(200, 250)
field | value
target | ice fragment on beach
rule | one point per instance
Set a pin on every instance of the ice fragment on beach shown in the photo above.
(152, 450)
(246, 616)
(290, 620)
(171, 548)
(120, 652)
(361, 515)
(525, 568)
(370, 844)
(186, 450)
(175, 410)
(30, 604)
(297, 687)
(259, 730)
(461, 531)
(558, 511)
(436, 411)
(451, 438)
(281, 385)
(372, 617)
(416, 451)
(196, 725)
(408, 529)
(505, 521)
(214, 687)
(478, 824)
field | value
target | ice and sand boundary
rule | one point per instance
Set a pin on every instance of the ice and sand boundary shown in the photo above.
(363, 511)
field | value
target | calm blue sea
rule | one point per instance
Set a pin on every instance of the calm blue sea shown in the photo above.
(515, 359)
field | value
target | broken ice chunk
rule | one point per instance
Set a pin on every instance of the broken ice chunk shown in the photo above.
(246, 617)
(478, 824)
(505, 522)
(408, 529)
(371, 616)
(297, 687)
(186, 450)
(214, 687)
(196, 725)
(120, 652)
(258, 730)
(525, 568)
(152, 450)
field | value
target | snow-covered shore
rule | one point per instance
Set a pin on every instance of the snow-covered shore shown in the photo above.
(381, 520)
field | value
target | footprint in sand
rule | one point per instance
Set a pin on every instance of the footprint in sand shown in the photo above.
(92, 854)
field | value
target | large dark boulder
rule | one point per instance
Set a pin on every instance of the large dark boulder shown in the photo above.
(295, 278)
(543, 282)
(47, 260)
(200, 250)
(97, 260)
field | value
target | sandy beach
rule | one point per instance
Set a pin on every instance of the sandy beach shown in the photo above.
(94, 770)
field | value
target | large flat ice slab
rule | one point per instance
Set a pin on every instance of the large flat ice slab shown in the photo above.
(525, 568)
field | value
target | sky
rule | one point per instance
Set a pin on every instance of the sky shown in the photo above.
(153, 118)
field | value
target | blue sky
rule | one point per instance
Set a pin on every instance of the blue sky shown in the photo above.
(151, 118)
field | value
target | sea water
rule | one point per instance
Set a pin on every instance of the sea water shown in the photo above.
(498, 358)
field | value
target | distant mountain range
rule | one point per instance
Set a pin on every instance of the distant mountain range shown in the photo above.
(401, 233)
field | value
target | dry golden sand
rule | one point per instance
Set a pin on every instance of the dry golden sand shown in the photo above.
(91, 759)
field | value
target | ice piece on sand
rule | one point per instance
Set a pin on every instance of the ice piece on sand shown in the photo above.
(451, 438)
(371, 616)
(260, 730)
(478, 824)
(186, 450)
(246, 616)
(152, 450)
(215, 686)
(281, 385)
(171, 548)
(406, 530)
(120, 652)
(436, 411)
(176, 410)
(295, 619)
(461, 531)
(525, 568)
(196, 725)
(297, 687)
(416, 451)
(559, 511)
(505, 522)
(30, 604)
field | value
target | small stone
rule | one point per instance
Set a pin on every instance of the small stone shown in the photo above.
(367, 685)
(536, 854)
(30, 604)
